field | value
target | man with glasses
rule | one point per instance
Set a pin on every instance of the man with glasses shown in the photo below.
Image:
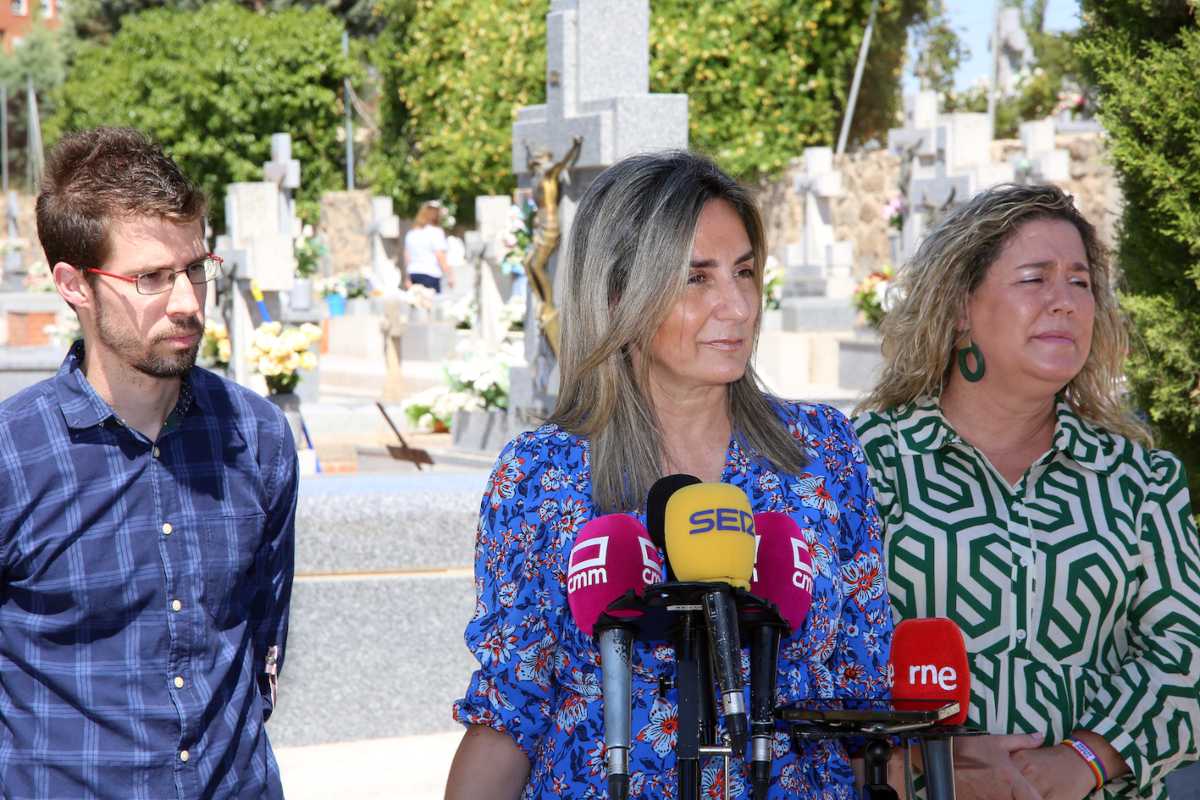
(146, 511)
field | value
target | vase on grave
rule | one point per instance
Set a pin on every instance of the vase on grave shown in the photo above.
(336, 303)
(301, 294)
(289, 403)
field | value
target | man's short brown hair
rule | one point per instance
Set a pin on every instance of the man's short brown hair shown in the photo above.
(98, 176)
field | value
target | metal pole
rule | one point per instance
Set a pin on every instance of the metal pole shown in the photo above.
(4, 139)
(349, 107)
(995, 76)
(858, 71)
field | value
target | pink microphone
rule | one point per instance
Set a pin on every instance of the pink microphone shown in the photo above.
(612, 555)
(783, 571)
(783, 574)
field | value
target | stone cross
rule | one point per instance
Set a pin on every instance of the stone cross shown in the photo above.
(820, 264)
(597, 88)
(485, 250)
(384, 233)
(945, 160)
(262, 226)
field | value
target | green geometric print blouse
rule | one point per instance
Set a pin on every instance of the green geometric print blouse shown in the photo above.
(1077, 589)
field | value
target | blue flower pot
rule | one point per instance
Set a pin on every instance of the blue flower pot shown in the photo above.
(336, 304)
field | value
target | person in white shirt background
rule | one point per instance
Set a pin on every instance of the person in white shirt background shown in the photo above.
(425, 259)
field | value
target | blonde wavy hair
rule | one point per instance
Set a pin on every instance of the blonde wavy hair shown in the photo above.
(920, 332)
(626, 266)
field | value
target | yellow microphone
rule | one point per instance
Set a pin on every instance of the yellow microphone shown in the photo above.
(710, 534)
(710, 539)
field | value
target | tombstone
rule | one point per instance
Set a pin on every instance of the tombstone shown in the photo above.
(262, 226)
(384, 235)
(14, 262)
(943, 164)
(1041, 160)
(1016, 54)
(819, 265)
(485, 251)
(597, 88)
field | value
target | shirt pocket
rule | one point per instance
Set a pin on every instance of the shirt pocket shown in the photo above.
(229, 547)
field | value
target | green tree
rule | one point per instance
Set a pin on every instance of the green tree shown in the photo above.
(764, 79)
(103, 18)
(1144, 56)
(212, 85)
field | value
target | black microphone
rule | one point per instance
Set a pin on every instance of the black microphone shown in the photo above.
(783, 574)
(656, 510)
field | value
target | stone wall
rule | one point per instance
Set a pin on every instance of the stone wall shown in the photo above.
(344, 225)
(870, 179)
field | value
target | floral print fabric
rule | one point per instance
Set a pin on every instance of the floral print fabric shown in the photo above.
(539, 675)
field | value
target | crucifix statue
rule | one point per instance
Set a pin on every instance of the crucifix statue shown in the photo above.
(547, 175)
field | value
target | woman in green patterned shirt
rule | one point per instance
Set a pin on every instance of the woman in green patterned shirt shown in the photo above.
(1023, 501)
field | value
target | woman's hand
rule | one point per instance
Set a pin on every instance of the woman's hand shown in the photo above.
(1056, 772)
(985, 767)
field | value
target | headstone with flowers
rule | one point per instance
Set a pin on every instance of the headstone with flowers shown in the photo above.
(279, 353)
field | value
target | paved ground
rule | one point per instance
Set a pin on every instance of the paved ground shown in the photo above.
(351, 436)
(406, 768)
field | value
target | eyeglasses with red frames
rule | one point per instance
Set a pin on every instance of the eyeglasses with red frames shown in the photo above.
(162, 280)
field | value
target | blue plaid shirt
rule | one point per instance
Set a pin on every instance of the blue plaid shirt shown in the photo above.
(142, 587)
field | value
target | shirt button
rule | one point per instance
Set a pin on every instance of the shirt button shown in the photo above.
(167, 529)
(183, 755)
(155, 451)
(1020, 636)
(178, 681)
(176, 605)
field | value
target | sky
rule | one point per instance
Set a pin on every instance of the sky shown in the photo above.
(972, 21)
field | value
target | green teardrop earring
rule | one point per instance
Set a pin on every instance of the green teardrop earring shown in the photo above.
(972, 375)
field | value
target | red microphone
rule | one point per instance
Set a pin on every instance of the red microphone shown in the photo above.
(929, 662)
(783, 574)
(612, 555)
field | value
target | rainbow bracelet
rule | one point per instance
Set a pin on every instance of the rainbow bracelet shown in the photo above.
(1090, 758)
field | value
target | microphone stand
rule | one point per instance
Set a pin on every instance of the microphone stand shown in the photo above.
(675, 612)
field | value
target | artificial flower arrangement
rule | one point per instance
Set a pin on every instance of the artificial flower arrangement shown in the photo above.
(477, 381)
(893, 212)
(772, 290)
(309, 251)
(215, 347)
(278, 353)
(871, 297)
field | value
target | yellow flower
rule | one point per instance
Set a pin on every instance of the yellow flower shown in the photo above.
(313, 332)
(308, 361)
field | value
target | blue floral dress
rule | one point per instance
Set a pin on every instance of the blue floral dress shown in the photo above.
(539, 675)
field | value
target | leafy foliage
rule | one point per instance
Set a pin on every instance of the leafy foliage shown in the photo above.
(212, 85)
(103, 18)
(764, 78)
(1144, 57)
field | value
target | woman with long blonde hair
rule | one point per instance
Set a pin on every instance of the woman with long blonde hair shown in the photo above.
(661, 310)
(1022, 499)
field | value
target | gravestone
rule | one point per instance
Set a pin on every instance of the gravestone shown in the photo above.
(597, 88)
(485, 251)
(262, 227)
(384, 235)
(1041, 160)
(945, 160)
(819, 264)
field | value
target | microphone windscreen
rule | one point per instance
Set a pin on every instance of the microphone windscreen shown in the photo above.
(656, 509)
(612, 554)
(783, 571)
(929, 662)
(710, 534)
